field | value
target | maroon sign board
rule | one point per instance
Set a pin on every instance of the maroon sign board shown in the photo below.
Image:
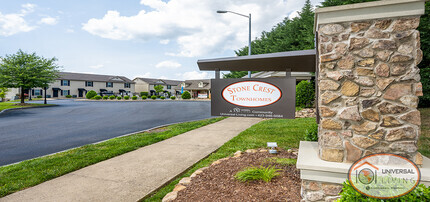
(254, 97)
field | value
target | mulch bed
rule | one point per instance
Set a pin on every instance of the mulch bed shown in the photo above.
(217, 183)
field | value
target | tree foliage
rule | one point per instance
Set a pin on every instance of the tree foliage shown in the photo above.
(25, 71)
(158, 88)
(3, 92)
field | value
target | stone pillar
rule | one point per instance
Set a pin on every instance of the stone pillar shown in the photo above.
(368, 87)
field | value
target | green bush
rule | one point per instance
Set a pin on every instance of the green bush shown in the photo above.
(153, 97)
(305, 94)
(119, 98)
(39, 96)
(144, 94)
(134, 97)
(162, 97)
(420, 193)
(97, 97)
(144, 97)
(126, 97)
(158, 96)
(68, 96)
(90, 94)
(311, 133)
(112, 97)
(105, 97)
(425, 80)
(173, 97)
(261, 173)
(186, 95)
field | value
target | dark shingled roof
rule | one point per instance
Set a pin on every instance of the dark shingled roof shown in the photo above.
(165, 81)
(93, 77)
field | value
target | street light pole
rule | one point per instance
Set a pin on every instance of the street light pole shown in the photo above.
(249, 39)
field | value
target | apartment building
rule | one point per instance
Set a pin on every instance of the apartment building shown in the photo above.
(197, 88)
(147, 85)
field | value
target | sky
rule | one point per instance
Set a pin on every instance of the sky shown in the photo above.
(136, 38)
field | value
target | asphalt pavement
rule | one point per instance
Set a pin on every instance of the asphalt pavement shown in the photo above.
(34, 132)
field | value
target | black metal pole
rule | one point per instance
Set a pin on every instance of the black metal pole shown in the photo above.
(45, 95)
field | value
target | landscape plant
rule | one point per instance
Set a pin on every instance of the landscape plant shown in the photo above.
(257, 173)
(112, 97)
(68, 96)
(105, 97)
(27, 70)
(119, 98)
(97, 97)
(144, 97)
(162, 97)
(143, 94)
(90, 94)
(39, 96)
(186, 95)
(305, 94)
(173, 98)
(158, 89)
(153, 97)
(126, 97)
(3, 92)
(311, 133)
(134, 97)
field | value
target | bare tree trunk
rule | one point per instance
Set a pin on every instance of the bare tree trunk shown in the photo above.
(22, 95)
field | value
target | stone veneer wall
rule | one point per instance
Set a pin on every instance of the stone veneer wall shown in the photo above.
(320, 191)
(368, 87)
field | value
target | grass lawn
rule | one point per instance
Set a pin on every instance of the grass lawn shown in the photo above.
(424, 141)
(10, 105)
(32, 172)
(286, 132)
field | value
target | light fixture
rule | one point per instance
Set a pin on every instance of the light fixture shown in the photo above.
(272, 146)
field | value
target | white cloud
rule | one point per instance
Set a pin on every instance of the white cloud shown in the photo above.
(165, 41)
(48, 21)
(14, 23)
(194, 24)
(145, 75)
(97, 66)
(168, 64)
(194, 75)
(70, 30)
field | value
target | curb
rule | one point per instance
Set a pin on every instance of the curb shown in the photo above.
(142, 131)
(5, 110)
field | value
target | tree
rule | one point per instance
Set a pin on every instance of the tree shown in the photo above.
(3, 92)
(159, 89)
(26, 71)
(288, 35)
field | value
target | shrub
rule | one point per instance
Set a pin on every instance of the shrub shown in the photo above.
(158, 96)
(68, 96)
(305, 94)
(425, 80)
(261, 173)
(311, 133)
(143, 94)
(126, 97)
(97, 97)
(90, 94)
(112, 97)
(162, 97)
(39, 96)
(186, 95)
(420, 193)
(144, 97)
(134, 98)
(105, 97)
(119, 98)
(173, 97)
(153, 97)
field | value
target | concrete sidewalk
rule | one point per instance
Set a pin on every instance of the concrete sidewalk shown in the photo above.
(133, 175)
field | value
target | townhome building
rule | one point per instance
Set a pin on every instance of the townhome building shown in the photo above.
(78, 84)
(147, 85)
(197, 88)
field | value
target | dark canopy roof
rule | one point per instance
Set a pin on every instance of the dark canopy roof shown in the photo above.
(297, 61)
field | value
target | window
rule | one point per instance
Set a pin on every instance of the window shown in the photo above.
(66, 92)
(65, 82)
(89, 83)
(37, 92)
(126, 85)
(109, 84)
(169, 87)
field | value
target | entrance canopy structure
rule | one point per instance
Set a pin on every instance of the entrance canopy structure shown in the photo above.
(294, 61)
